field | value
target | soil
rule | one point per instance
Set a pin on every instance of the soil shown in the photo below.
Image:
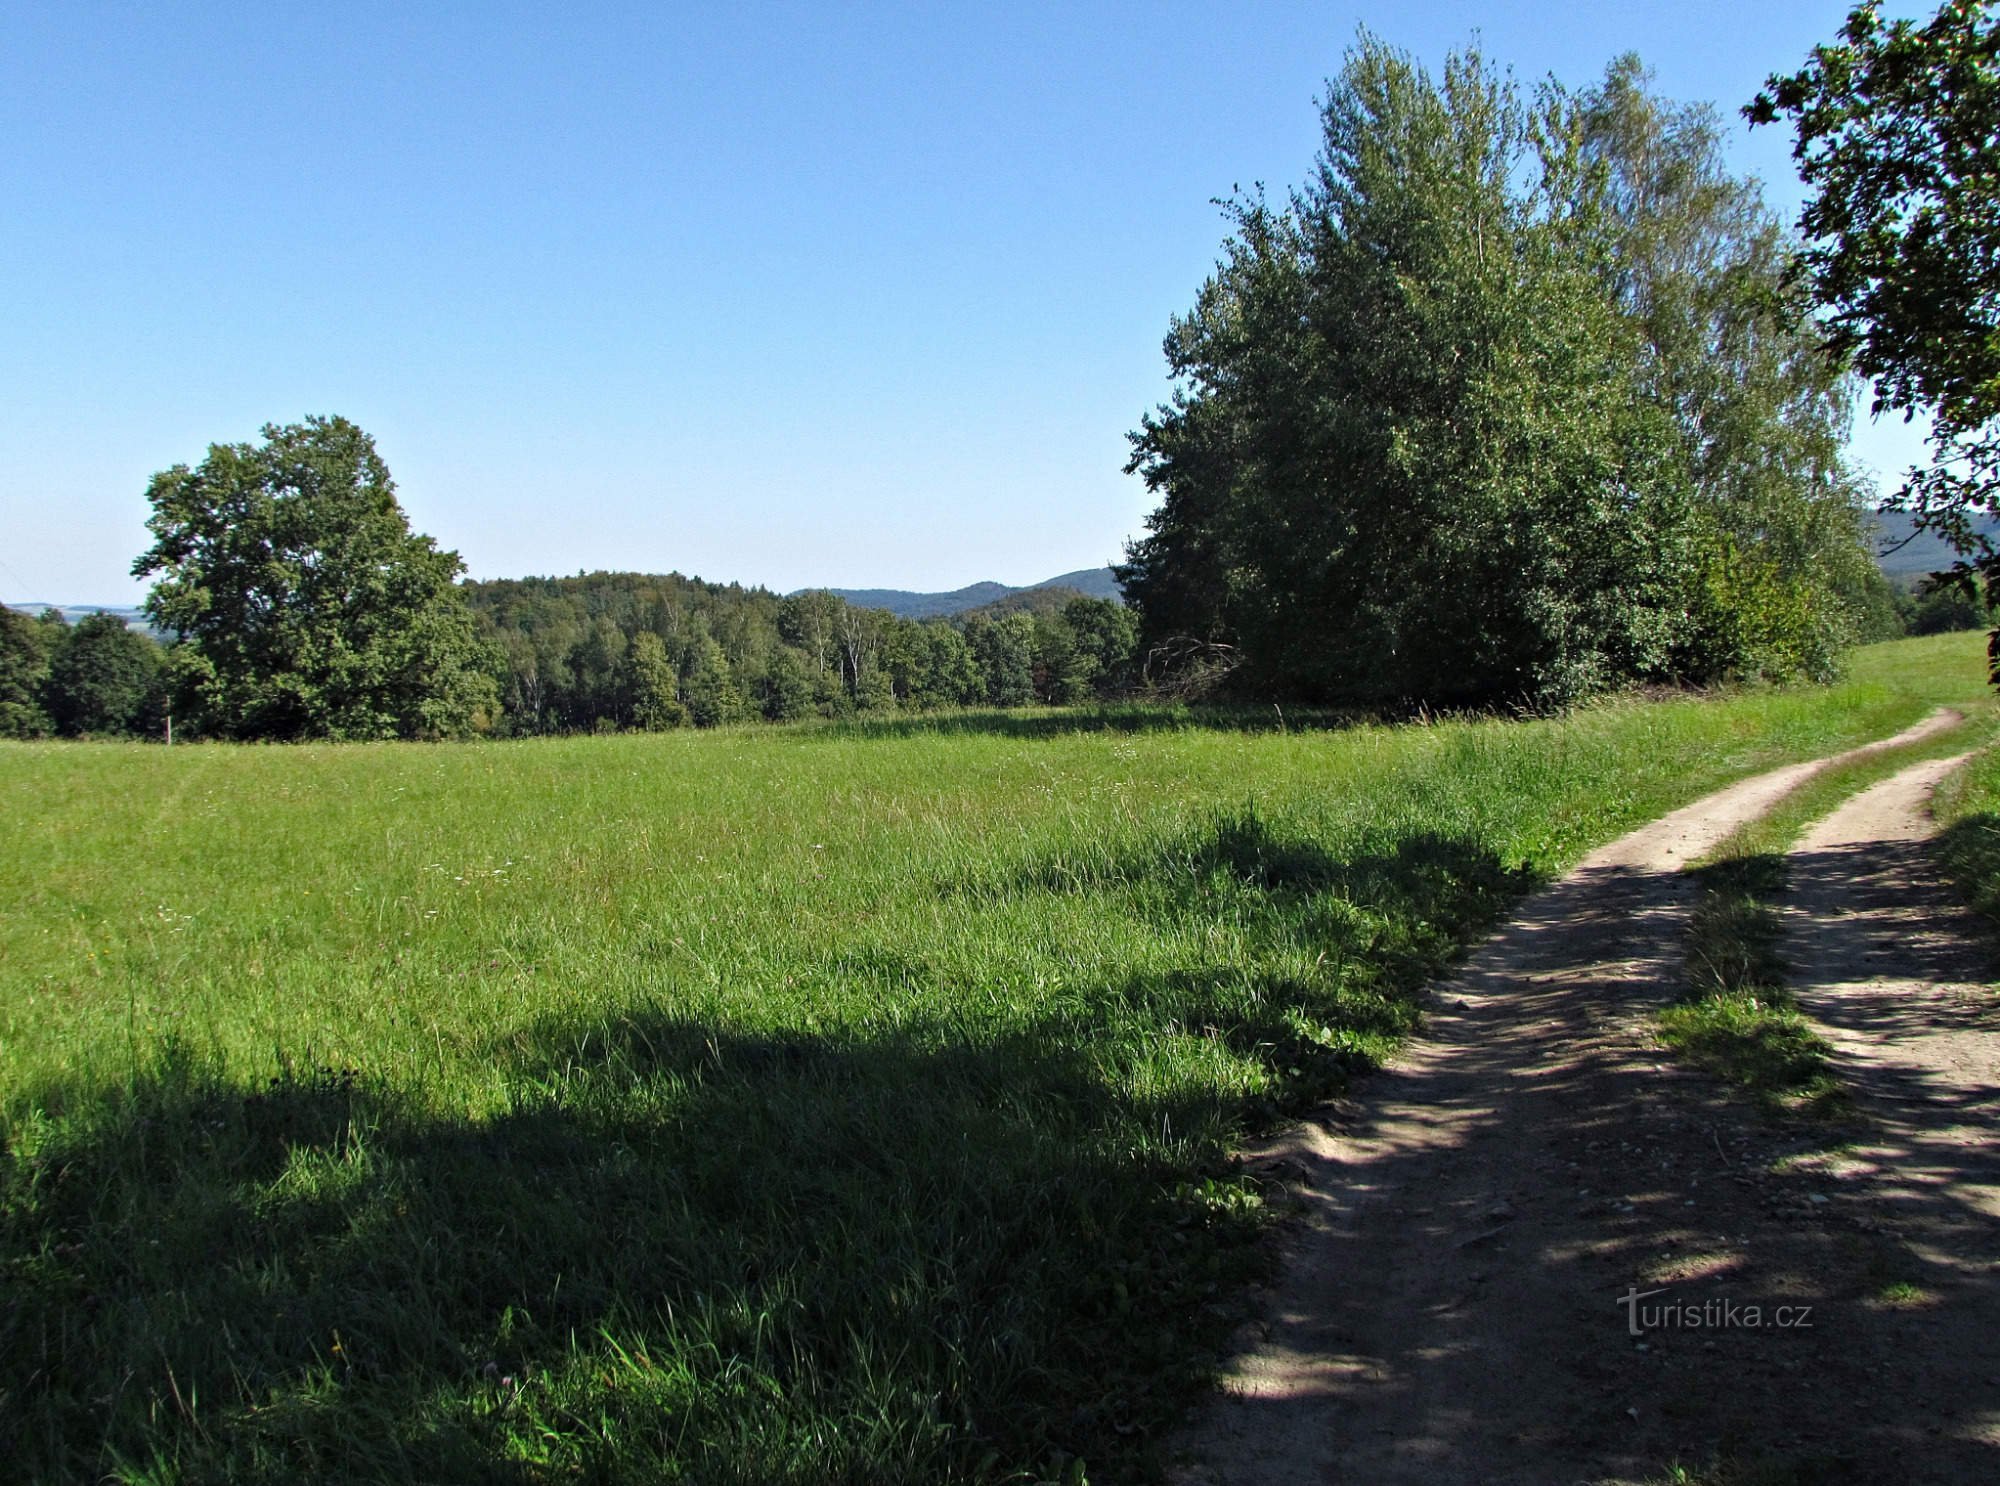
(1534, 1250)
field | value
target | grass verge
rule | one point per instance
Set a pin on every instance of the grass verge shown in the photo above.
(1968, 806)
(1737, 1018)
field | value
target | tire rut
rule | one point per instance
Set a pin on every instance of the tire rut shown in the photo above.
(1454, 1304)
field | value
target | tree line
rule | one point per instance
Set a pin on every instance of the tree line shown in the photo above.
(614, 650)
(608, 651)
(300, 605)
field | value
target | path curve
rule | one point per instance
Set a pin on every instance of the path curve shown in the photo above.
(1449, 1308)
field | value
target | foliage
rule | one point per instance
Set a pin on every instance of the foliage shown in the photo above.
(1697, 267)
(104, 679)
(25, 647)
(1947, 609)
(569, 648)
(652, 685)
(1495, 408)
(98, 678)
(1005, 650)
(291, 570)
(825, 1104)
(1898, 139)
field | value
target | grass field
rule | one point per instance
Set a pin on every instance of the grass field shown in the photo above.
(816, 1104)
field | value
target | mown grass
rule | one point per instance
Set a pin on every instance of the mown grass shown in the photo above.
(824, 1104)
(1738, 1019)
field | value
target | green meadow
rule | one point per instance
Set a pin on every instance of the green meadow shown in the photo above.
(825, 1103)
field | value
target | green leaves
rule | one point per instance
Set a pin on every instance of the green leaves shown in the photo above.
(1458, 424)
(292, 572)
(1898, 136)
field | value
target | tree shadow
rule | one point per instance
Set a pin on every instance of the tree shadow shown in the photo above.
(685, 1250)
(1336, 945)
(973, 1244)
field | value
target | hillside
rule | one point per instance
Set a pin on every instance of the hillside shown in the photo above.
(75, 613)
(1095, 583)
(1900, 554)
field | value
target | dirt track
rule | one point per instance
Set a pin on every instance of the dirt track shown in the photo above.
(1453, 1306)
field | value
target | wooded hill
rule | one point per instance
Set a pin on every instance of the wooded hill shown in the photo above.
(604, 650)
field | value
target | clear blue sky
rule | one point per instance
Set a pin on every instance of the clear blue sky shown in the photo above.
(857, 295)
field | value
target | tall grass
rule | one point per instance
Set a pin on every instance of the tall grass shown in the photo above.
(812, 1104)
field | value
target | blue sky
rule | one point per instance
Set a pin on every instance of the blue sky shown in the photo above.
(857, 295)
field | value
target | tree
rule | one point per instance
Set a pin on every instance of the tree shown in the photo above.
(1408, 459)
(952, 674)
(103, 680)
(25, 647)
(1106, 635)
(1005, 651)
(787, 692)
(709, 686)
(1498, 407)
(291, 569)
(1898, 140)
(1062, 673)
(1697, 264)
(652, 685)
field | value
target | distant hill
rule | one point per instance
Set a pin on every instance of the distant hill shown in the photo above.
(1901, 555)
(1094, 583)
(73, 613)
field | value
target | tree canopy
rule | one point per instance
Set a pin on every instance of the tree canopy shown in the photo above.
(637, 650)
(1499, 406)
(1898, 140)
(104, 679)
(289, 569)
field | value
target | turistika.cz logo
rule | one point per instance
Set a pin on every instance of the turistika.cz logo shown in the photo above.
(1717, 1313)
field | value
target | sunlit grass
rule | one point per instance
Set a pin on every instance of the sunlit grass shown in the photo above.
(813, 1104)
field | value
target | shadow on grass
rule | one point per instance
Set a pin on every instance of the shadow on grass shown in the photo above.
(1341, 940)
(921, 1251)
(1969, 852)
(685, 1249)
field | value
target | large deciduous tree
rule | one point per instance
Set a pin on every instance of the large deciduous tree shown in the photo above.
(1898, 139)
(1699, 269)
(1438, 434)
(292, 571)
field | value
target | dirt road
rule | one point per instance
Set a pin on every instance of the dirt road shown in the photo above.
(1535, 1251)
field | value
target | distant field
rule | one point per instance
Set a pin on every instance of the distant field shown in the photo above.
(785, 1104)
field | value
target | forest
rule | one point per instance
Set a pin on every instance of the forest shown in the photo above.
(616, 650)
(606, 652)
